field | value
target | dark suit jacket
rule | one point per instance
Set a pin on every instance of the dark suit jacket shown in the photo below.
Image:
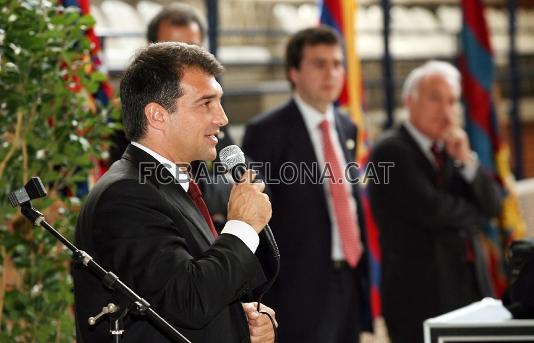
(423, 229)
(153, 237)
(300, 221)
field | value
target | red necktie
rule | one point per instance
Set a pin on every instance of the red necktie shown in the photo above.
(196, 195)
(440, 162)
(347, 222)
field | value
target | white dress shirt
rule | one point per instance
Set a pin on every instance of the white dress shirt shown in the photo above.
(468, 171)
(238, 228)
(312, 118)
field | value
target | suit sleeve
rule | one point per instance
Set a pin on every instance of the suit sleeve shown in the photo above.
(412, 194)
(487, 193)
(136, 238)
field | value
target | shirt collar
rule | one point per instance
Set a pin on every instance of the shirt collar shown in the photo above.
(424, 142)
(182, 176)
(312, 117)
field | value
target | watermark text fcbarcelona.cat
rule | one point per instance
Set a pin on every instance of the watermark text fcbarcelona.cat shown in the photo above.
(287, 173)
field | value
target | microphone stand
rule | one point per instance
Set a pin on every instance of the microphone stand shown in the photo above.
(137, 305)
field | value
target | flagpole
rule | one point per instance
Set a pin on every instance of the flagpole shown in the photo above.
(514, 92)
(386, 64)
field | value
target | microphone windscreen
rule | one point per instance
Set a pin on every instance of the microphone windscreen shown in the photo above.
(231, 156)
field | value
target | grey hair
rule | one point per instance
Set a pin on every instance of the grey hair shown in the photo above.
(445, 69)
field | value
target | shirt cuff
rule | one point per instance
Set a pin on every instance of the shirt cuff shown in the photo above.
(469, 170)
(244, 232)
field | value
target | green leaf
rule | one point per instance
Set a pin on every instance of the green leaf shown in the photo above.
(43, 47)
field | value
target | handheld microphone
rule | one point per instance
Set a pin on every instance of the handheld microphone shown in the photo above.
(234, 161)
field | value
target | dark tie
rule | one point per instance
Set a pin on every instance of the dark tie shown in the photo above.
(347, 223)
(440, 162)
(196, 195)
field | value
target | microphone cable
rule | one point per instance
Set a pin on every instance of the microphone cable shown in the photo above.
(268, 233)
(234, 161)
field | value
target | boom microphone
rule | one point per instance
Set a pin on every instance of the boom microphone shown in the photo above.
(34, 189)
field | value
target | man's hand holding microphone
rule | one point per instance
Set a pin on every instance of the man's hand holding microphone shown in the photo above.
(248, 203)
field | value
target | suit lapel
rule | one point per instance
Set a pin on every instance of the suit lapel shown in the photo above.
(448, 169)
(182, 201)
(427, 166)
(298, 136)
(171, 191)
(300, 143)
(344, 139)
(349, 153)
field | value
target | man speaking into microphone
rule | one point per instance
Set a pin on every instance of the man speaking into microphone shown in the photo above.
(147, 222)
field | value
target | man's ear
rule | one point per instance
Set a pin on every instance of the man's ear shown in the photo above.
(292, 74)
(409, 100)
(156, 116)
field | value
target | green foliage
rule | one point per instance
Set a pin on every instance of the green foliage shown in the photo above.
(50, 127)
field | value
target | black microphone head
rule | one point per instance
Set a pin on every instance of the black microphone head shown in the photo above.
(32, 190)
(35, 188)
(18, 197)
(233, 160)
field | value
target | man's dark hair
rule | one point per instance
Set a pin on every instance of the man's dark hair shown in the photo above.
(177, 15)
(307, 37)
(154, 76)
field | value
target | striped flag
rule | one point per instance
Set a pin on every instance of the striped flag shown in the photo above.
(104, 92)
(482, 125)
(341, 15)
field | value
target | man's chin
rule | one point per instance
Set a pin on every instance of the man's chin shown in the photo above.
(211, 155)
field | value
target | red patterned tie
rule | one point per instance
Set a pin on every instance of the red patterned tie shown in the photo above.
(196, 195)
(347, 222)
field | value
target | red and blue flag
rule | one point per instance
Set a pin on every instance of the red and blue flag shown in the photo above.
(477, 66)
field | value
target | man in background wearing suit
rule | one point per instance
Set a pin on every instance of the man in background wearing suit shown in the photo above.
(322, 286)
(177, 23)
(430, 211)
(145, 220)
